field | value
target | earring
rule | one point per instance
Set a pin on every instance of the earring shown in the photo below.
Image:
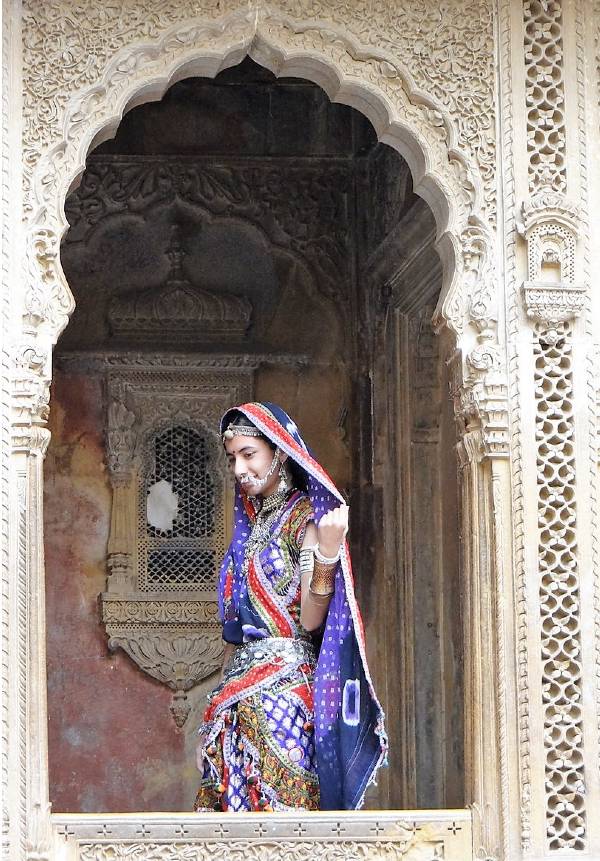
(285, 478)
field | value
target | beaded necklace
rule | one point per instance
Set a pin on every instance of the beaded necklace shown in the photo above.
(268, 514)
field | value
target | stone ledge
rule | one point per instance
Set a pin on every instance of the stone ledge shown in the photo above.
(419, 835)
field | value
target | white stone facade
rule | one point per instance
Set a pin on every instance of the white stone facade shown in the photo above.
(495, 108)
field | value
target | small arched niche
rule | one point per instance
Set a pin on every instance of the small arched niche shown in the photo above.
(243, 238)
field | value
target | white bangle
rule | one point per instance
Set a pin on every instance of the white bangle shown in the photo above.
(326, 560)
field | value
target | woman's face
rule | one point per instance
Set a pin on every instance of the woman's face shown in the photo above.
(250, 458)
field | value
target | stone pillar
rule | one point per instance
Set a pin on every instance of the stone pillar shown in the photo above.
(24, 387)
(549, 176)
(562, 717)
(29, 805)
(120, 436)
(484, 487)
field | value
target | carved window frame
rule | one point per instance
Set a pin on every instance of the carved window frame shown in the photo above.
(174, 635)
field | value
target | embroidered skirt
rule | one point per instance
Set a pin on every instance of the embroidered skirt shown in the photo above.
(257, 739)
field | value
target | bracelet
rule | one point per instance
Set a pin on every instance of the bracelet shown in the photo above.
(322, 573)
(307, 560)
(319, 599)
(326, 560)
(322, 581)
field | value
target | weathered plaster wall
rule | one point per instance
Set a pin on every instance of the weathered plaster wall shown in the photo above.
(112, 744)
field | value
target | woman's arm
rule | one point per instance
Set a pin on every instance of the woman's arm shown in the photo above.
(328, 536)
(313, 608)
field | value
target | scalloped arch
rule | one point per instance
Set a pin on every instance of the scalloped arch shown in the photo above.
(371, 82)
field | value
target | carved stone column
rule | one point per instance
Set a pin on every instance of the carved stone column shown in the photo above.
(120, 445)
(28, 801)
(550, 108)
(480, 403)
(560, 803)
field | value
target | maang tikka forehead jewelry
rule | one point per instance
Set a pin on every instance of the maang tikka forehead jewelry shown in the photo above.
(240, 430)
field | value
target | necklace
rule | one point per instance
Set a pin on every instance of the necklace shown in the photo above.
(269, 512)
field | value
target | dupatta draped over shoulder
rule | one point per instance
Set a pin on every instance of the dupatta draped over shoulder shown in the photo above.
(350, 738)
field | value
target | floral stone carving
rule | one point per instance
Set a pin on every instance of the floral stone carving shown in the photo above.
(179, 658)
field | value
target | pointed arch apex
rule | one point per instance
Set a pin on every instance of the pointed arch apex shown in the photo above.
(367, 80)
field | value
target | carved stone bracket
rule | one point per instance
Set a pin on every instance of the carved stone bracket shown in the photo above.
(548, 304)
(483, 425)
(177, 642)
(480, 405)
(478, 386)
(186, 648)
(550, 225)
(31, 389)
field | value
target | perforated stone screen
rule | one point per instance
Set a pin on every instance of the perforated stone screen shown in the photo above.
(184, 554)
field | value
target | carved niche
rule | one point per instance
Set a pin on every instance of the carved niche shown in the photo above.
(168, 532)
(550, 227)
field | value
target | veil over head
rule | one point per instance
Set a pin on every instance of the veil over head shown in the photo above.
(350, 738)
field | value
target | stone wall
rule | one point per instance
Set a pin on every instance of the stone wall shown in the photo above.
(111, 738)
(408, 495)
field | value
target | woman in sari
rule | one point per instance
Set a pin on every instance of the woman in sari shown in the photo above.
(289, 726)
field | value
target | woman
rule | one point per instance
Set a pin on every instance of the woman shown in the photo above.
(286, 729)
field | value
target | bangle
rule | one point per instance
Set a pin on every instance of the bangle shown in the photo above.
(326, 560)
(322, 581)
(307, 560)
(320, 599)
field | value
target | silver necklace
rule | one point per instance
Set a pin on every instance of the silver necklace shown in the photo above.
(265, 518)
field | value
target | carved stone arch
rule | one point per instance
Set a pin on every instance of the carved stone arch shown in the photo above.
(372, 81)
(457, 185)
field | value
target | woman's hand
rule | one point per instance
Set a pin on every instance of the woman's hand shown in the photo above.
(332, 529)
